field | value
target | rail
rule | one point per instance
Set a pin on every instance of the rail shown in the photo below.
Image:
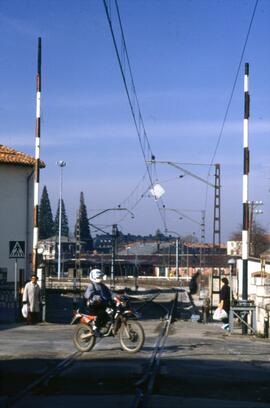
(45, 377)
(146, 383)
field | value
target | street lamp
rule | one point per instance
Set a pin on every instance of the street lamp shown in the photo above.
(61, 164)
(201, 224)
(176, 253)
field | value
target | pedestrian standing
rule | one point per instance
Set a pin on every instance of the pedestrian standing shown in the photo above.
(224, 301)
(193, 289)
(194, 283)
(32, 297)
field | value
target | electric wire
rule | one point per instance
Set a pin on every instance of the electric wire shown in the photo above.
(230, 98)
(234, 85)
(124, 202)
(139, 125)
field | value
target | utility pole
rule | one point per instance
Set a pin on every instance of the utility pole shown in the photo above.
(215, 276)
(61, 164)
(177, 258)
(37, 161)
(246, 219)
(202, 238)
(245, 231)
(114, 243)
(78, 247)
(177, 240)
(76, 273)
(217, 202)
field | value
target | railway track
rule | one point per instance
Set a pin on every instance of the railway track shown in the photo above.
(146, 383)
(42, 381)
(144, 386)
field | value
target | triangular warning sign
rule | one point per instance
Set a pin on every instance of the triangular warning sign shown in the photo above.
(17, 251)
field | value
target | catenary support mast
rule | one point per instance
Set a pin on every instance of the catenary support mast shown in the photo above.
(37, 161)
(245, 231)
(217, 208)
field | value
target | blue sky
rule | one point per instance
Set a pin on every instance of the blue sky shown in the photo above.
(184, 56)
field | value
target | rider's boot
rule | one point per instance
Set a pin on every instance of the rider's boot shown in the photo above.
(96, 331)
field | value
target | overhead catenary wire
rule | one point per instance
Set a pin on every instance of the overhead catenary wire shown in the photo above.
(231, 96)
(234, 85)
(125, 202)
(139, 123)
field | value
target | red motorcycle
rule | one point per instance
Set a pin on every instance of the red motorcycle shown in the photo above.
(121, 321)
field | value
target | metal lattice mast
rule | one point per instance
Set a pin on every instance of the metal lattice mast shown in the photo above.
(202, 239)
(215, 281)
(37, 161)
(78, 246)
(217, 203)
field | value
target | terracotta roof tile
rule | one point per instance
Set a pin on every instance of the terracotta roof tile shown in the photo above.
(12, 156)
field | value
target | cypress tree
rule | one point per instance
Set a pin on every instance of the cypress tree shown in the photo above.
(64, 221)
(46, 227)
(85, 234)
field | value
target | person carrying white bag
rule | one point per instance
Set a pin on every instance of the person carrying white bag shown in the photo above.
(32, 301)
(224, 303)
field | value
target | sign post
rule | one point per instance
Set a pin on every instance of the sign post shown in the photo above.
(16, 280)
(16, 250)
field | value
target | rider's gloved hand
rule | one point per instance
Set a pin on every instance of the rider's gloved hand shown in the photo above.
(96, 299)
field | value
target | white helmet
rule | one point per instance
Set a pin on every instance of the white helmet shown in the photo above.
(96, 275)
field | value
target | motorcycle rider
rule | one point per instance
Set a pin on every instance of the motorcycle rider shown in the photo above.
(98, 296)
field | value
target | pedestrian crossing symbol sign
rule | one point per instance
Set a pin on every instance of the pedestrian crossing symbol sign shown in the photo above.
(16, 249)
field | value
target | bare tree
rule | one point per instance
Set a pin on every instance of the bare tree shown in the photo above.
(258, 238)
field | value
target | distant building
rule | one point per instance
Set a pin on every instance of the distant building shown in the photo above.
(103, 243)
(49, 247)
(16, 209)
(234, 248)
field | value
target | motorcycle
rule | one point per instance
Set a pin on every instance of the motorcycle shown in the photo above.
(121, 321)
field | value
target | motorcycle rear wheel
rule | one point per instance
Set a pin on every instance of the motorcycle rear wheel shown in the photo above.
(131, 336)
(81, 343)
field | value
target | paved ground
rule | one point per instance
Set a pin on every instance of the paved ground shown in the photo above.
(201, 366)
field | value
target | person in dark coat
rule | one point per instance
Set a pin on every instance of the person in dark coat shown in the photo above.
(193, 289)
(224, 300)
(193, 284)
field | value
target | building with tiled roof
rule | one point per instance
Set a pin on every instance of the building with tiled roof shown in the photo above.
(16, 211)
(12, 156)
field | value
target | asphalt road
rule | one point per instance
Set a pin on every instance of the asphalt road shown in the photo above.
(201, 366)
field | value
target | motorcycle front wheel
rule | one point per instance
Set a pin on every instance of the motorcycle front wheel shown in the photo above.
(83, 338)
(131, 336)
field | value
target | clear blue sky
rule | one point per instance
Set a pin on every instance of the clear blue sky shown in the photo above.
(184, 55)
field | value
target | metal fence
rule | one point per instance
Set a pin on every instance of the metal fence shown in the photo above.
(9, 307)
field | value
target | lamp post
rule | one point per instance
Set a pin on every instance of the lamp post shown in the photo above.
(201, 224)
(176, 253)
(61, 164)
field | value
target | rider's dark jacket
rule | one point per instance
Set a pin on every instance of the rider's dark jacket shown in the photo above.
(98, 293)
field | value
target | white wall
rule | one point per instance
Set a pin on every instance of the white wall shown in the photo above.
(253, 266)
(16, 215)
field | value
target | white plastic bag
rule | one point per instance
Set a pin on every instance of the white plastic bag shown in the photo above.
(220, 314)
(25, 311)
